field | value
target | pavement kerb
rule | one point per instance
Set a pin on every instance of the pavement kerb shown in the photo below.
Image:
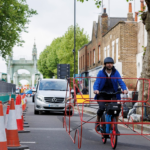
(87, 111)
(136, 126)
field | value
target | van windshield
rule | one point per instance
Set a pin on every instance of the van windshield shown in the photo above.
(53, 85)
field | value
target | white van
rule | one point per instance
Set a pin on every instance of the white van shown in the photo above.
(50, 95)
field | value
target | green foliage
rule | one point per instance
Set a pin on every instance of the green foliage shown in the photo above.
(20, 84)
(14, 15)
(144, 49)
(60, 52)
(52, 57)
(98, 2)
(65, 54)
(42, 64)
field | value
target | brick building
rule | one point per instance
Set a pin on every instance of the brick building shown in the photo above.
(114, 37)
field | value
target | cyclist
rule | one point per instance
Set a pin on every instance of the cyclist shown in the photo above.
(108, 85)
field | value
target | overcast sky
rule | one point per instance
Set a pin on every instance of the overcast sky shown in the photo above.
(55, 16)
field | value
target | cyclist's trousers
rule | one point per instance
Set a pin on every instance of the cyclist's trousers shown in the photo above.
(102, 104)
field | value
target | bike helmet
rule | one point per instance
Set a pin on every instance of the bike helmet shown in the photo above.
(108, 60)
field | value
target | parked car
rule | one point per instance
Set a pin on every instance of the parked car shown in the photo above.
(50, 96)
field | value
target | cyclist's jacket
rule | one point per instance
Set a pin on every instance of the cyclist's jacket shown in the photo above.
(100, 83)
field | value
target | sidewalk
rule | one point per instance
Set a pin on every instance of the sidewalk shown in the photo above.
(93, 110)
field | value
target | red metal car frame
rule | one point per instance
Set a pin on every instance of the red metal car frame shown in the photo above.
(70, 105)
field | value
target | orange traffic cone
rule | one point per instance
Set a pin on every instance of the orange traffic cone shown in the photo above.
(19, 116)
(12, 132)
(6, 117)
(24, 103)
(21, 105)
(3, 141)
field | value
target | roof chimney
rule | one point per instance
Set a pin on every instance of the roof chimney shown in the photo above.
(130, 14)
(142, 5)
(104, 10)
(136, 16)
(104, 22)
(130, 7)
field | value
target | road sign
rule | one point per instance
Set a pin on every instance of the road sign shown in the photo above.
(63, 71)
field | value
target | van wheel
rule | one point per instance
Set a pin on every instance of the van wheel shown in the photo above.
(36, 112)
(69, 113)
(40, 112)
(33, 99)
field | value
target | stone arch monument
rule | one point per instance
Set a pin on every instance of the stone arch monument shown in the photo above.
(30, 65)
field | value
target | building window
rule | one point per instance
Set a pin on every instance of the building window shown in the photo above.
(113, 50)
(83, 61)
(79, 63)
(90, 58)
(99, 52)
(94, 56)
(105, 53)
(108, 51)
(116, 50)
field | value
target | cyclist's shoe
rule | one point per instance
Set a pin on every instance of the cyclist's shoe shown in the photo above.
(98, 127)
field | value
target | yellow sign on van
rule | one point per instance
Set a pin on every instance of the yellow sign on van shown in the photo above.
(82, 99)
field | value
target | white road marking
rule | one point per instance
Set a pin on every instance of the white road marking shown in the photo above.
(27, 142)
(76, 112)
(48, 129)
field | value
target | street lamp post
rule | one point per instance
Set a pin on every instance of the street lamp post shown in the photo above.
(74, 36)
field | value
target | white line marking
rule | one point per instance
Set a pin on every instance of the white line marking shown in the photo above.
(48, 129)
(27, 142)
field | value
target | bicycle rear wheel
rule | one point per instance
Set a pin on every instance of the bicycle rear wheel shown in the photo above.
(104, 140)
(113, 136)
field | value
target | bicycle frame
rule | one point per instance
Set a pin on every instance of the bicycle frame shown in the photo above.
(91, 101)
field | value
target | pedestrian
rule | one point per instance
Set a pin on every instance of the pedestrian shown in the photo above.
(85, 90)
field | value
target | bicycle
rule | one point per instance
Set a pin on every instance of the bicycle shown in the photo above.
(112, 110)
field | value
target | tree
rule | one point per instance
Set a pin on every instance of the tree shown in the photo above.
(145, 16)
(97, 2)
(146, 58)
(42, 64)
(65, 54)
(20, 84)
(14, 15)
(60, 51)
(52, 57)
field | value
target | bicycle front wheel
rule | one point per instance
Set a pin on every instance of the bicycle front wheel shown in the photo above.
(113, 136)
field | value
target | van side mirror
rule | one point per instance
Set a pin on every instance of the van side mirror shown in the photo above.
(34, 90)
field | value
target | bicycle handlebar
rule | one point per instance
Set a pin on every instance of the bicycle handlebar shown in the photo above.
(110, 93)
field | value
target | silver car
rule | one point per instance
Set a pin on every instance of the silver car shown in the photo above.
(50, 95)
